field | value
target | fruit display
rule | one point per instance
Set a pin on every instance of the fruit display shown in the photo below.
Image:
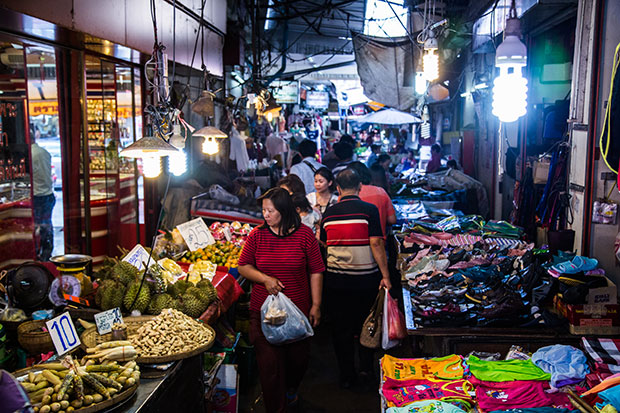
(201, 269)
(234, 232)
(71, 385)
(221, 253)
(170, 333)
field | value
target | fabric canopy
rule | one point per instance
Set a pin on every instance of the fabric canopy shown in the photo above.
(386, 69)
(389, 117)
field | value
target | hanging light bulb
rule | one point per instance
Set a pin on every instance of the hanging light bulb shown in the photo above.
(177, 163)
(151, 166)
(210, 146)
(210, 133)
(151, 149)
(269, 116)
(177, 140)
(430, 60)
(510, 87)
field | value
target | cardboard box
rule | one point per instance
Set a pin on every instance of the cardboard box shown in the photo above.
(596, 319)
(604, 295)
(226, 395)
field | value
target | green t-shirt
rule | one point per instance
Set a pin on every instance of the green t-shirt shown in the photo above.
(505, 370)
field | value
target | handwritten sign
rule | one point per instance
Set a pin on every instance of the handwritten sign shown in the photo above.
(106, 319)
(63, 333)
(196, 234)
(137, 257)
(227, 234)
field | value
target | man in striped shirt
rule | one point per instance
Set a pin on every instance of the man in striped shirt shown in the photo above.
(356, 269)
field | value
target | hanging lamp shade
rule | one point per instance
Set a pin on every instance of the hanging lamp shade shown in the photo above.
(148, 146)
(204, 105)
(210, 132)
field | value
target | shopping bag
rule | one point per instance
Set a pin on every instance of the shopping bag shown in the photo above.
(370, 335)
(282, 321)
(396, 320)
(386, 342)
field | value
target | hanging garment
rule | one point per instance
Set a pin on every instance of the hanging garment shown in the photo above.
(386, 69)
(610, 135)
(238, 151)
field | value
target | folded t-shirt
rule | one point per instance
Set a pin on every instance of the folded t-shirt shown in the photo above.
(403, 392)
(505, 370)
(441, 368)
(517, 394)
(426, 406)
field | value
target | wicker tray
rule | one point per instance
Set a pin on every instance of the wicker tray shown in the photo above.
(32, 338)
(20, 375)
(90, 338)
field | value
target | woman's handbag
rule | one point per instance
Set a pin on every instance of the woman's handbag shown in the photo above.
(370, 335)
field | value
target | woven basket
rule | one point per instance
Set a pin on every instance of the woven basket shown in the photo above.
(90, 338)
(32, 338)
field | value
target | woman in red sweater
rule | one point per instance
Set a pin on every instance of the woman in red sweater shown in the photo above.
(282, 255)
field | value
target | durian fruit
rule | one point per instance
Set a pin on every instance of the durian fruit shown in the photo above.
(177, 305)
(200, 294)
(207, 286)
(105, 284)
(143, 297)
(172, 290)
(112, 296)
(193, 306)
(182, 285)
(158, 303)
(124, 272)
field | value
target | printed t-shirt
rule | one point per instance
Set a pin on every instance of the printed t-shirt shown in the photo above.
(440, 368)
(426, 406)
(517, 394)
(505, 370)
(379, 198)
(291, 259)
(402, 392)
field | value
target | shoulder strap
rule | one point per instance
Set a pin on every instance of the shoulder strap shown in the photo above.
(311, 166)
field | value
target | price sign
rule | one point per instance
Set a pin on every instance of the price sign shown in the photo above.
(106, 319)
(227, 234)
(63, 333)
(196, 234)
(137, 257)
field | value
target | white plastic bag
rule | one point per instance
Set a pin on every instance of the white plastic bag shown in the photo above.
(282, 322)
(386, 343)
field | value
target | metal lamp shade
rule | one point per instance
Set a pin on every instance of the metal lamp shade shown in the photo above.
(210, 132)
(150, 146)
(204, 105)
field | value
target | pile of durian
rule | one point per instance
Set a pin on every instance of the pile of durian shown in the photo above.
(120, 286)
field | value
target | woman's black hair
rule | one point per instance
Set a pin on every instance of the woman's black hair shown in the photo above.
(294, 183)
(283, 203)
(301, 202)
(328, 175)
(378, 178)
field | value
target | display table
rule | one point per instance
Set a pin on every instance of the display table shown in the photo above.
(180, 389)
(441, 341)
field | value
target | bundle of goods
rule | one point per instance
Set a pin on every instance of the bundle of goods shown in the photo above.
(172, 333)
(485, 275)
(552, 377)
(73, 386)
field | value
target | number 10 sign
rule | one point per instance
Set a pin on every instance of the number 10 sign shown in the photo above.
(63, 333)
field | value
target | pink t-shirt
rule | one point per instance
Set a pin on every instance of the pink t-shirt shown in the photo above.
(403, 392)
(379, 198)
(517, 394)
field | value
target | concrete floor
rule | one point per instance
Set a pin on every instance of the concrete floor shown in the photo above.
(320, 391)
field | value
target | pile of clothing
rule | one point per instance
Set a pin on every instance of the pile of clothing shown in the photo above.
(550, 380)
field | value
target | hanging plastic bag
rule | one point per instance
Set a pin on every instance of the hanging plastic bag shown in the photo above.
(282, 321)
(386, 342)
(396, 325)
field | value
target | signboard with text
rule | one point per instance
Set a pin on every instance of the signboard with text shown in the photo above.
(196, 234)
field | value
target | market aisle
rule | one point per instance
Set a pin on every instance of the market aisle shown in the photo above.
(320, 391)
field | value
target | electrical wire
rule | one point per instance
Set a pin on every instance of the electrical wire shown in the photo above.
(607, 125)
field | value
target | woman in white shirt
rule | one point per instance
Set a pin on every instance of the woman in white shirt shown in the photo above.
(324, 196)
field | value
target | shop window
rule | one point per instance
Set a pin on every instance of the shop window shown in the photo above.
(43, 124)
(17, 225)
